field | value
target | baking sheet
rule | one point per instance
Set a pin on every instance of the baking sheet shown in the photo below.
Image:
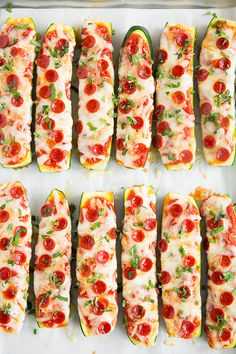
(116, 178)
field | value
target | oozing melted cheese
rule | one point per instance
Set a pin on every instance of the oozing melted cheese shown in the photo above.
(53, 129)
(97, 263)
(221, 246)
(52, 283)
(96, 128)
(181, 292)
(15, 254)
(16, 58)
(218, 121)
(175, 128)
(140, 289)
(134, 139)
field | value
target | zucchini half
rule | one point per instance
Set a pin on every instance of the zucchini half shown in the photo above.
(71, 38)
(22, 22)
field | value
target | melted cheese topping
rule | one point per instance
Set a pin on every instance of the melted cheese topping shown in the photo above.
(216, 91)
(139, 265)
(52, 279)
(180, 264)
(96, 264)
(174, 97)
(15, 254)
(96, 90)
(221, 251)
(17, 54)
(53, 130)
(135, 103)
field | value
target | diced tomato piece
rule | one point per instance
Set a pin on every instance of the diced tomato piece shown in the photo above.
(212, 224)
(225, 123)
(113, 233)
(188, 261)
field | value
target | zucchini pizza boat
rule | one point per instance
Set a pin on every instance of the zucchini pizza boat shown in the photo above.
(17, 55)
(174, 97)
(96, 264)
(135, 100)
(220, 245)
(216, 78)
(53, 128)
(96, 91)
(15, 254)
(52, 278)
(139, 265)
(180, 266)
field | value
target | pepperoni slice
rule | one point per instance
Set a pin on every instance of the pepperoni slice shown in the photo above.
(51, 75)
(205, 108)
(10, 292)
(4, 41)
(113, 233)
(129, 87)
(13, 81)
(181, 39)
(120, 144)
(157, 141)
(97, 149)
(104, 327)
(165, 277)
(132, 44)
(136, 201)
(43, 300)
(162, 245)
(176, 210)
(130, 273)
(19, 258)
(188, 261)
(58, 106)
(4, 216)
(101, 30)
(17, 101)
(87, 242)
(188, 328)
(5, 273)
(124, 106)
(225, 261)
(186, 156)
(137, 312)
(222, 43)
(144, 72)
(56, 155)
(43, 61)
(215, 313)
(4, 318)
(225, 123)
(85, 270)
(3, 120)
(2, 61)
(4, 243)
(62, 44)
(82, 72)
(99, 287)
(209, 141)
(226, 298)
(89, 41)
(178, 71)
(78, 127)
(57, 136)
(222, 154)
(217, 278)
(162, 127)
(58, 317)
(183, 292)
(202, 74)
(89, 89)
(48, 210)
(101, 305)
(225, 335)
(58, 277)
(224, 64)
(102, 65)
(178, 97)
(44, 261)
(60, 224)
(212, 224)
(21, 230)
(219, 87)
(188, 225)
(138, 236)
(103, 257)
(159, 111)
(144, 329)
(92, 215)
(168, 312)
(49, 244)
(162, 56)
(45, 92)
(145, 264)
(16, 192)
(93, 106)
(149, 224)
(14, 149)
(139, 123)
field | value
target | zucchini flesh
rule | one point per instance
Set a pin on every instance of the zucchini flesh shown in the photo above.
(174, 97)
